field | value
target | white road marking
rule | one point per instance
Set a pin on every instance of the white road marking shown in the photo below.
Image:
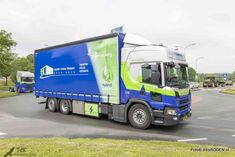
(2, 133)
(208, 117)
(193, 139)
(233, 135)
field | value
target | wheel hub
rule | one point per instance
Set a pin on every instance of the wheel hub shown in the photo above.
(65, 106)
(139, 116)
(51, 104)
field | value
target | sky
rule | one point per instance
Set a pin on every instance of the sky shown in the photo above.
(208, 23)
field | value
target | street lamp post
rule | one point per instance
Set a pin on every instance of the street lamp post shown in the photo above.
(196, 61)
(185, 47)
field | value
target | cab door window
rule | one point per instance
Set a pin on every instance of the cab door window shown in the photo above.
(151, 73)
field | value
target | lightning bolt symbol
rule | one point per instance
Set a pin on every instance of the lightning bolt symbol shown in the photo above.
(91, 109)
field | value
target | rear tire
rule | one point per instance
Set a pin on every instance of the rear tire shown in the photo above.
(139, 116)
(65, 106)
(52, 103)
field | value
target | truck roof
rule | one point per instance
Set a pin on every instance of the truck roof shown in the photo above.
(25, 74)
(78, 41)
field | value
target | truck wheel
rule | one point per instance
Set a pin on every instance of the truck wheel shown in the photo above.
(139, 116)
(11, 89)
(51, 103)
(65, 106)
(18, 90)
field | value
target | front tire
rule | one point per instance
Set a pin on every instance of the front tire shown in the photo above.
(51, 104)
(65, 106)
(139, 116)
(18, 90)
(11, 89)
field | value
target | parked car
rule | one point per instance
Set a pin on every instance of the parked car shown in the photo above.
(194, 85)
(229, 83)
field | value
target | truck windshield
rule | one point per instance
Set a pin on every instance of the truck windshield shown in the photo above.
(176, 75)
(27, 79)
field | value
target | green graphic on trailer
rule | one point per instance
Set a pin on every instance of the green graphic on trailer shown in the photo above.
(104, 58)
(46, 70)
(92, 109)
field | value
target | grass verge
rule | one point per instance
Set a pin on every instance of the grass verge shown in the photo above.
(9, 83)
(229, 91)
(4, 88)
(3, 85)
(7, 94)
(56, 147)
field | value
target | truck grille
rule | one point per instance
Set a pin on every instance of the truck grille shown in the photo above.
(183, 107)
(184, 101)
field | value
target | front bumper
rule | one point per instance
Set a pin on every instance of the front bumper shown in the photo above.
(159, 118)
(26, 88)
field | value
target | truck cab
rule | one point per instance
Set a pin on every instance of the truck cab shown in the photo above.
(24, 81)
(158, 76)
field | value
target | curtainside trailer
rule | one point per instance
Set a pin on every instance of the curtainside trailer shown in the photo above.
(123, 76)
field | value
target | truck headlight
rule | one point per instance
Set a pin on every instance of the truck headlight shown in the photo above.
(170, 111)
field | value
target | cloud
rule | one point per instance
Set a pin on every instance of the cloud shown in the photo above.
(210, 24)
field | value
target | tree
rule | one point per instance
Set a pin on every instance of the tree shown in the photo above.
(192, 74)
(233, 76)
(201, 77)
(6, 56)
(30, 58)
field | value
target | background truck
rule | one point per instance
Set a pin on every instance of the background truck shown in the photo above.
(123, 76)
(24, 82)
(213, 81)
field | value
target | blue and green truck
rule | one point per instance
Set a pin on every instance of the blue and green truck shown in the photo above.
(24, 82)
(123, 76)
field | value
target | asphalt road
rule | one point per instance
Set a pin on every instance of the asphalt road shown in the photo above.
(212, 122)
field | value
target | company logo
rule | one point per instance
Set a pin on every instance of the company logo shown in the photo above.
(107, 74)
(46, 70)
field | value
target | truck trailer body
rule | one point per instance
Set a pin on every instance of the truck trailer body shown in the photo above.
(123, 76)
